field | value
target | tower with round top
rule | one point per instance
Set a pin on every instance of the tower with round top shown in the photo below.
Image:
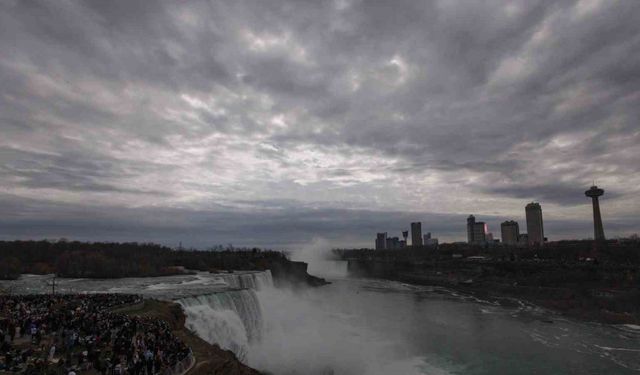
(598, 231)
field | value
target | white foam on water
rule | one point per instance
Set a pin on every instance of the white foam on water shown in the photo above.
(197, 279)
(634, 327)
(617, 349)
(411, 366)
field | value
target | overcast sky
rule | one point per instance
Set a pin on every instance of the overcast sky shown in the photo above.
(269, 123)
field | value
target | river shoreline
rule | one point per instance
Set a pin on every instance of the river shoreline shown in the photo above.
(575, 308)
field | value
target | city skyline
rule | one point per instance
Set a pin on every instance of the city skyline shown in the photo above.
(274, 123)
(478, 233)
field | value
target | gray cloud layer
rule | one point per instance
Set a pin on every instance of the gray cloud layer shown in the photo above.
(324, 118)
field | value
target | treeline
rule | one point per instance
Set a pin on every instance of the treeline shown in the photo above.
(114, 260)
(613, 251)
(569, 251)
(579, 265)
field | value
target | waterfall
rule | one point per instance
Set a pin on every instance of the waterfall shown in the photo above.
(250, 280)
(232, 318)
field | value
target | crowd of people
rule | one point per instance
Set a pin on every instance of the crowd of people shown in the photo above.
(77, 333)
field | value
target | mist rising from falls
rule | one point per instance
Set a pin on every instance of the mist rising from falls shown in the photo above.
(325, 330)
(321, 261)
(309, 331)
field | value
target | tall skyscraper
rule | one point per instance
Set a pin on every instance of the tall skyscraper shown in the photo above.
(510, 232)
(471, 220)
(480, 232)
(381, 241)
(416, 234)
(476, 231)
(598, 231)
(535, 227)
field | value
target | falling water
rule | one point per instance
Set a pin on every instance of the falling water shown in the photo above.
(253, 280)
(232, 318)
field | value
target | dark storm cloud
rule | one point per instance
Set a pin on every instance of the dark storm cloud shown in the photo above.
(293, 108)
(284, 228)
(70, 171)
(565, 194)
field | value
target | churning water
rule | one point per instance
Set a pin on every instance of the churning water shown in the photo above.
(367, 326)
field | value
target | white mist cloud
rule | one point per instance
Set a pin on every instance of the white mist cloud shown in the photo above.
(313, 333)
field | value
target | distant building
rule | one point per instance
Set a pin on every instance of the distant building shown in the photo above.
(471, 220)
(416, 234)
(510, 231)
(480, 232)
(428, 241)
(393, 243)
(476, 231)
(381, 241)
(535, 227)
(523, 240)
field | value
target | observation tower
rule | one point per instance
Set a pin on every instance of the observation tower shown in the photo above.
(598, 231)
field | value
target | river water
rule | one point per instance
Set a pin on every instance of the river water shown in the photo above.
(369, 326)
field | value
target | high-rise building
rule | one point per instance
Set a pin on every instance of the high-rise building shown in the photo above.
(428, 241)
(381, 241)
(432, 242)
(480, 231)
(476, 231)
(393, 243)
(471, 220)
(535, 228)
(598, 231)
(510, 232)
(416, 234)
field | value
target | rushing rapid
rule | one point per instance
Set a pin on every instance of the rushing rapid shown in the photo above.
(368, 326)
